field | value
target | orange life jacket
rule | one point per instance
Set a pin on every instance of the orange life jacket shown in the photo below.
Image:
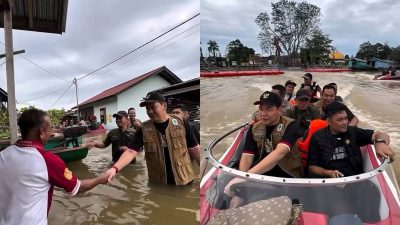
(315, 125)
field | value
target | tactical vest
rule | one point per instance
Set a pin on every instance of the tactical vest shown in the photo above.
(154, 153)
(291, 163)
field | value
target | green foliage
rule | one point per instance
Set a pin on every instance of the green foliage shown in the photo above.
(4, 124)
(290, 21)
(316, 49)
(56, 115)
(378, 50)
(213, 48)
(238, 52)
(23, 109)
(395, 54)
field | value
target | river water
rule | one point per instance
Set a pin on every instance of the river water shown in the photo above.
(129, 199)
(227, 103)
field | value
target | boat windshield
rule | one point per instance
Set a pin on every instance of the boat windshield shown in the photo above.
(229, 196)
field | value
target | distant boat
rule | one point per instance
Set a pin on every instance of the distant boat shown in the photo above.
(388, 77)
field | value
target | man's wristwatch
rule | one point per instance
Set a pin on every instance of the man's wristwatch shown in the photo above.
(379, 140)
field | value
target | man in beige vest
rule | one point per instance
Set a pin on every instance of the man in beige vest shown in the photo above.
(270, 143)
(329, 96)
(168, 142)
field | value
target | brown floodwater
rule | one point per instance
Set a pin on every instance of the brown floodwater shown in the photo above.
(227, 103)
(129, 199)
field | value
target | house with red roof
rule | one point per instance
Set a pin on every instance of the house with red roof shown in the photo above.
(126, 95)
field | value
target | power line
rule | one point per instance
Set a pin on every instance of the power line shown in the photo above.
(40, 67)
(130, 52)
(147, 51)
(44, 96)
(61, 96)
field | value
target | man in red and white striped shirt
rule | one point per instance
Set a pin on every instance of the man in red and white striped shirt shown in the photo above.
(28, 174)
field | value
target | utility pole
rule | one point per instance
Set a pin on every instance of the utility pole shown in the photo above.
(76, 93)
(12, 108)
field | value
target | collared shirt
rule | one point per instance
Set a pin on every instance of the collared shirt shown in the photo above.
(28, 174)
(289, 97)
(339, 152)
(117, 138)
(303, 118)
(320, 105)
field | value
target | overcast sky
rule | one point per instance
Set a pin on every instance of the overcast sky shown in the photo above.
(348, 23)
(97, 34)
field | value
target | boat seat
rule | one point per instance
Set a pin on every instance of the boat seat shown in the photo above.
(71, 135)
(313, 218)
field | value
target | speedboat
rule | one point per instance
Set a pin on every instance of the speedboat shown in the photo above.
(322, 201)
(388, 77)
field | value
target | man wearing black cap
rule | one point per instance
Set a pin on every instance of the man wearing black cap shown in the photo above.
(169, 145)
(303, 112)
(314, 87)
(270, 147)
(119, 138)
(269, 142)
(289, 85)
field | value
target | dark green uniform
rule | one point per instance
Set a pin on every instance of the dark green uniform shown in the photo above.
(117, 138)
(303, 118)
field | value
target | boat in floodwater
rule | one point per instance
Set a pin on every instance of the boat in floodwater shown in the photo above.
(313, 201)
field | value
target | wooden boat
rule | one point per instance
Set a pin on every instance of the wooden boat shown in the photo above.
(380, 175)
(69, 146)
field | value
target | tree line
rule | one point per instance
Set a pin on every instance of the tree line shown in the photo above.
(293, 28)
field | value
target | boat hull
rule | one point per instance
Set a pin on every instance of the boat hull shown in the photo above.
(385, 181)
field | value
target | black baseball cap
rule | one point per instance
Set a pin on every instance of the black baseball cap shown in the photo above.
(152, 97)
(307, 75)
(290, 82)
(120, 114)
(270, 99)
(303, 94)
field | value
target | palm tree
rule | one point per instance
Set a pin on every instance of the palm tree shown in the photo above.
(201, 52)
(212, 48)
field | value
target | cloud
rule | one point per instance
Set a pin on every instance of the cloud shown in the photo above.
(348, 23)
(97, 34)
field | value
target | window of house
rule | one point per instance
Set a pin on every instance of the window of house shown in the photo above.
(103, 116)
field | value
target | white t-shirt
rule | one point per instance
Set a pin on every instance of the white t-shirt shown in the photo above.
(28, 174)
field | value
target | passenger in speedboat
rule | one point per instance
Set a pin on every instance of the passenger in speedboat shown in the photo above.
(314, 87)
(337, 98)
(269, 142)
(393, 73)
(270, 147)
(329, 96)
(290, 85)
(334, 152)
(280, 90)
(303, 112)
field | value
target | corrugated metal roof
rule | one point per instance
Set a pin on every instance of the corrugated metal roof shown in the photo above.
(162, 71)
(39, 15)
